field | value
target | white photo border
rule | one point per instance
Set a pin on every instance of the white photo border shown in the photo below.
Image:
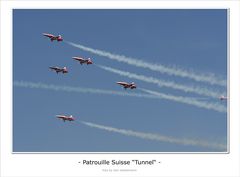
(68, 164)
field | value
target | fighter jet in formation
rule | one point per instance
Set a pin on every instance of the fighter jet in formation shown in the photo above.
(53, 37)
(64, 118)
(222, 97)
(127, 85)
(58, 69)
(81, 60)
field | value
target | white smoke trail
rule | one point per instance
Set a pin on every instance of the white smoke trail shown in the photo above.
(209, 78)
(186, 100)
(78, 89)
(194, 102)
(162, 83)
(158, 137)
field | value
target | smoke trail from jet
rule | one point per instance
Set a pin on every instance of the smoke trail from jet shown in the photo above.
(162, 83)
(209, 78)
(151, 95)
(185, 100)
(158, 137)
(78, 89)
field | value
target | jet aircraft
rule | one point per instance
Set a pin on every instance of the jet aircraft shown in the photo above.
(127, 85)
(52, 37)
(82, 60)
(64, 118)
(58, 69)
(222, 97)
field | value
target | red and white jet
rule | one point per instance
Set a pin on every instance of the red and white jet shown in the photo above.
(57, 69)
(82, 60)
(127, 85)
(64, 118)
(52, 37)
(222, 97)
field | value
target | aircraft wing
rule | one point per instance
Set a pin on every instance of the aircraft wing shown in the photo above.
(78, 58)
(60, 116)
(48, 35)
(122, 83)
(54, 67)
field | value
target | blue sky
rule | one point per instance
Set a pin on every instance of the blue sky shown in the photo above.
(195, 40)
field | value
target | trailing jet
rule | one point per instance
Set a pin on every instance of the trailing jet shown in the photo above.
(52, 37)
(64, 118)
(222, 97)
(127, 85)
(57, 69)
(82, 60)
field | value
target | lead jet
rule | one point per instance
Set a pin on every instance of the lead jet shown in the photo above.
(52, 37)
(82, 60)
(127, 85)
(64, 118)
(58, 69)
(222, 97)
